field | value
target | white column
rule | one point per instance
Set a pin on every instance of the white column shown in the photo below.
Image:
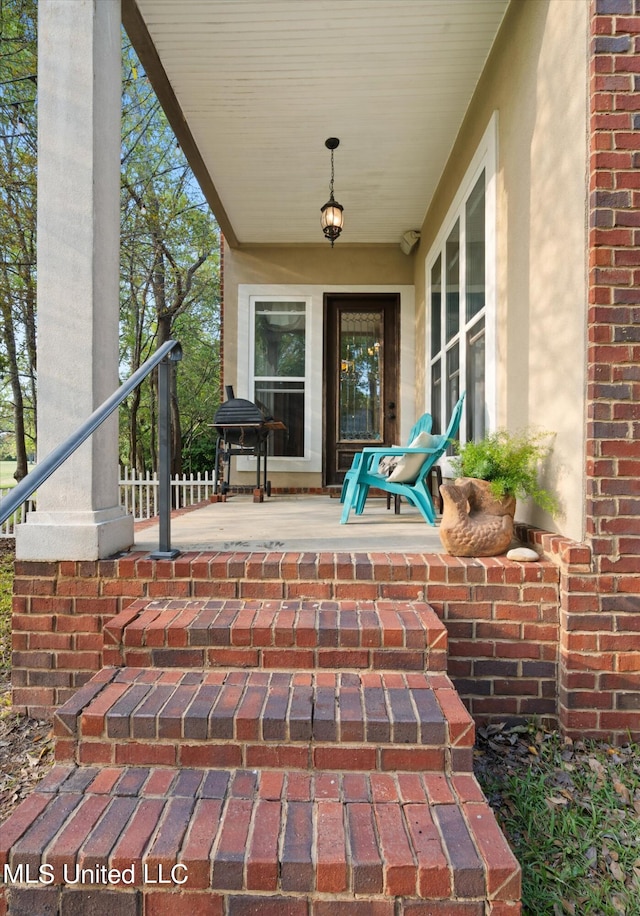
(78, 512)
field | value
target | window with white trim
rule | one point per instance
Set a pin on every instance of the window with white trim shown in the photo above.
(278, 383)
(460, 281)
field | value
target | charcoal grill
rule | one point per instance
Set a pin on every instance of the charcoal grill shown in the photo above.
(243, 429)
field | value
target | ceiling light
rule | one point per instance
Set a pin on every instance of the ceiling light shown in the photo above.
(332, 212)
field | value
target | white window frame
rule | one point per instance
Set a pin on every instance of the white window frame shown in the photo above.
(313, 295)
(254, 301)
(485, 158)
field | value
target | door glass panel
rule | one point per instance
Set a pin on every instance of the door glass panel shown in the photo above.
(360, 384)
(452, 255)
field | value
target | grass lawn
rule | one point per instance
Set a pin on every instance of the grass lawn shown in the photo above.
(7, 469)
(6, 473)
(6, 589)
(571, 813)
(570, 810)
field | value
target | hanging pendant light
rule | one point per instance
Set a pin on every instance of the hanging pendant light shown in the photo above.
(331, 219)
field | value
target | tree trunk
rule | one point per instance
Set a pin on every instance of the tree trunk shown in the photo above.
(133, 431)
(22, 467)
(165, 326)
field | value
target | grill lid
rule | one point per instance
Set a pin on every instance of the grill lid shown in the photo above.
(239, 412)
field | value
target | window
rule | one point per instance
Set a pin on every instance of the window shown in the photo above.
(279, 369)
(460, 308)
(436, 344)
(459, 295)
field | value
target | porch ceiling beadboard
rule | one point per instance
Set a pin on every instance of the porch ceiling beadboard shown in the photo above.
(262, 83)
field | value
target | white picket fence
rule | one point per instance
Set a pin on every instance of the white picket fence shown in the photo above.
(138, 495)
(19, 516)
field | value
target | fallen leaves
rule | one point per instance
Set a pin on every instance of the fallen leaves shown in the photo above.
(622, 791)
(571, 810)
(596, 767)
(26, 755)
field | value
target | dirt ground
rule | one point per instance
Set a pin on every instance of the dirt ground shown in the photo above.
(26, 753)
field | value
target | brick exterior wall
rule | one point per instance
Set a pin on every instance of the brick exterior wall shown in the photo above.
(502, 617)
(599, 688)
(506, 621)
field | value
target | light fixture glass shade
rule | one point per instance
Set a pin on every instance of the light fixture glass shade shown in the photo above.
(332, 219)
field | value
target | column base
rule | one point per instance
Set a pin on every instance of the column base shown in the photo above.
(74, 535)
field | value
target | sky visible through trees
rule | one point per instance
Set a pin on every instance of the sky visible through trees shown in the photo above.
(169, 264)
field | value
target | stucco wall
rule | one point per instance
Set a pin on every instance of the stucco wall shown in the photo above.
(536, 79)
(313, 269)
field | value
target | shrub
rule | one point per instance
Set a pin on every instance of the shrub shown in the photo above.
(510, 462)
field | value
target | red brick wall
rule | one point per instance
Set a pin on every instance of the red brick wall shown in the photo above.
(502, 617)
(59, 611)
(599, 688)
(503, 621)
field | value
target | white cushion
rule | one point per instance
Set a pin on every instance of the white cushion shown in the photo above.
(387, 464)
(409, 465)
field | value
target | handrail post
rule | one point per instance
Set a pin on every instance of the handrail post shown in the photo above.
(164, 551)
(45, 468)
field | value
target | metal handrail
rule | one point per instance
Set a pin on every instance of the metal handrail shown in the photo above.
(170, 351)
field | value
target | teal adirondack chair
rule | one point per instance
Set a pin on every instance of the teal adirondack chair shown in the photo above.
(366, 475)
(423, 425)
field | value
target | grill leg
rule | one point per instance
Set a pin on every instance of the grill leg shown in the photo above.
(267, 485)
(258, 493)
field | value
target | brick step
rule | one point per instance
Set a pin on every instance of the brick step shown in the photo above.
(322, 719)
(248, 842)
(293, 634)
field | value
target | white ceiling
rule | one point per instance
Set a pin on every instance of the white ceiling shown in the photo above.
(263, 83)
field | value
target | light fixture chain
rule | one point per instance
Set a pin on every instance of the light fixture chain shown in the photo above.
(331, 182)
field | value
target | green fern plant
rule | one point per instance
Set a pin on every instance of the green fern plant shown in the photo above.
(510, 462)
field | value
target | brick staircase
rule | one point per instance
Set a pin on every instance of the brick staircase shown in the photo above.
(247, 756)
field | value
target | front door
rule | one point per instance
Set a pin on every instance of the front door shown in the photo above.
(361, 377)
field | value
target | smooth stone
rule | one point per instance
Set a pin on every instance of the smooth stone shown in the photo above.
(523, 555)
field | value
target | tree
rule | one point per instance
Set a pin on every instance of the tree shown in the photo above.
(169, 252)
(18, 157)
(169, 261)
(199, 384)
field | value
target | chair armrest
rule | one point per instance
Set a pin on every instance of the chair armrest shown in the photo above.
(403, 450)
(371, 457)
(392, 450)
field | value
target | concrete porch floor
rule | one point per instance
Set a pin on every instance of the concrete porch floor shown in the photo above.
(289, 523)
